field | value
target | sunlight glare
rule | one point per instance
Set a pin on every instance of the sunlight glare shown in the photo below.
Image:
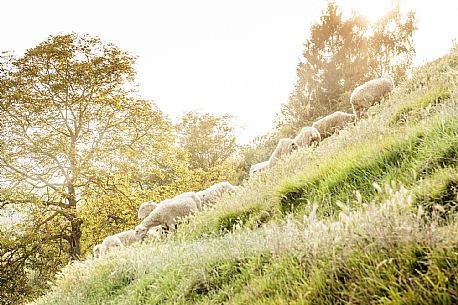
(372, 10)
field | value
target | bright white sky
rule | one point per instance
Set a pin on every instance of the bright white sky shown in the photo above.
(215, 56)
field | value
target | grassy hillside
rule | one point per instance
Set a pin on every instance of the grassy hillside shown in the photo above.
(368, 217)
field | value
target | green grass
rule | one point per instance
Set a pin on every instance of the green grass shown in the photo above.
(405, 158)
(368, 217)
(439, 192)
(230, 221)
(380, 253)
(407, 274)
(413, 108)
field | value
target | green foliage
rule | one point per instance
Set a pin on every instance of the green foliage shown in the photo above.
(75, 137)
(67, 119)
(210, 144)
(248, 217)
(335, 58)
(30, 252)
(222, 279)
(391, 44)
(208, 139)
(405, 273)
(380, 254)
(71, 119)
(108, 211)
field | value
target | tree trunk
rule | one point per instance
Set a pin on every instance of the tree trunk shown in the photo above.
(75, 221)
(75, 238)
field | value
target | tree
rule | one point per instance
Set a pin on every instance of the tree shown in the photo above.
(28, 257)
(391, 44)
(210, 142)
(70, 120)
(340, 55)
(334, 59)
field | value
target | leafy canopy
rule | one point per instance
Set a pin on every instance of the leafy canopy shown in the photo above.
(69, 119)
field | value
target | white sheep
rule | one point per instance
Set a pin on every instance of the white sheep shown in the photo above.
(127, 237)
(211, 195)
(284, 147)
(259, 167)
(329, 124)
(97, 250)
(194, 197)
(155, 233)
(168, 211)
(110, 243)
(145, 209)
(307, 136)
(119, 240)
(370, 93)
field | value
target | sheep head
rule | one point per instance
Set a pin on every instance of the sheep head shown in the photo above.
(97, 250)
(140, 232)
(145, 209)
(293, 146)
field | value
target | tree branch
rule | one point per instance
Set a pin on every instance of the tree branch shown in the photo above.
(26, 176)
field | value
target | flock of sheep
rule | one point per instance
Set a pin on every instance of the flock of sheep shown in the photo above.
(363, 97)
(156, 219)
(159, 218)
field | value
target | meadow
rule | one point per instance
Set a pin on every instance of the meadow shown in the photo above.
(367, 217)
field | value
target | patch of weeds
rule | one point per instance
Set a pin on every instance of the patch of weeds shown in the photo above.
(413, 108)
(407, 274)
(110, 285)
(439, 191)
(234, 218)
(337, 180)
(222, 276)
(446, 155)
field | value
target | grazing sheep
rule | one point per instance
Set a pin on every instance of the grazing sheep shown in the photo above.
(308, 136)
(127, 237)
(329, 124)
(109, 243)
(370, 93)
(97, 250)
(284, 147)
(194, 197)
(211, 195)
(155, 233)
(119, 240)
(145, 209)
(258, 167)
(168, 211)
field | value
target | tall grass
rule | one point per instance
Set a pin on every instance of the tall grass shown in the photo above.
(380, 251)
(414, 107)
(405, 157)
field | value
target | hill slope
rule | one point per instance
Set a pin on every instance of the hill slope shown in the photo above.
(370, 216)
